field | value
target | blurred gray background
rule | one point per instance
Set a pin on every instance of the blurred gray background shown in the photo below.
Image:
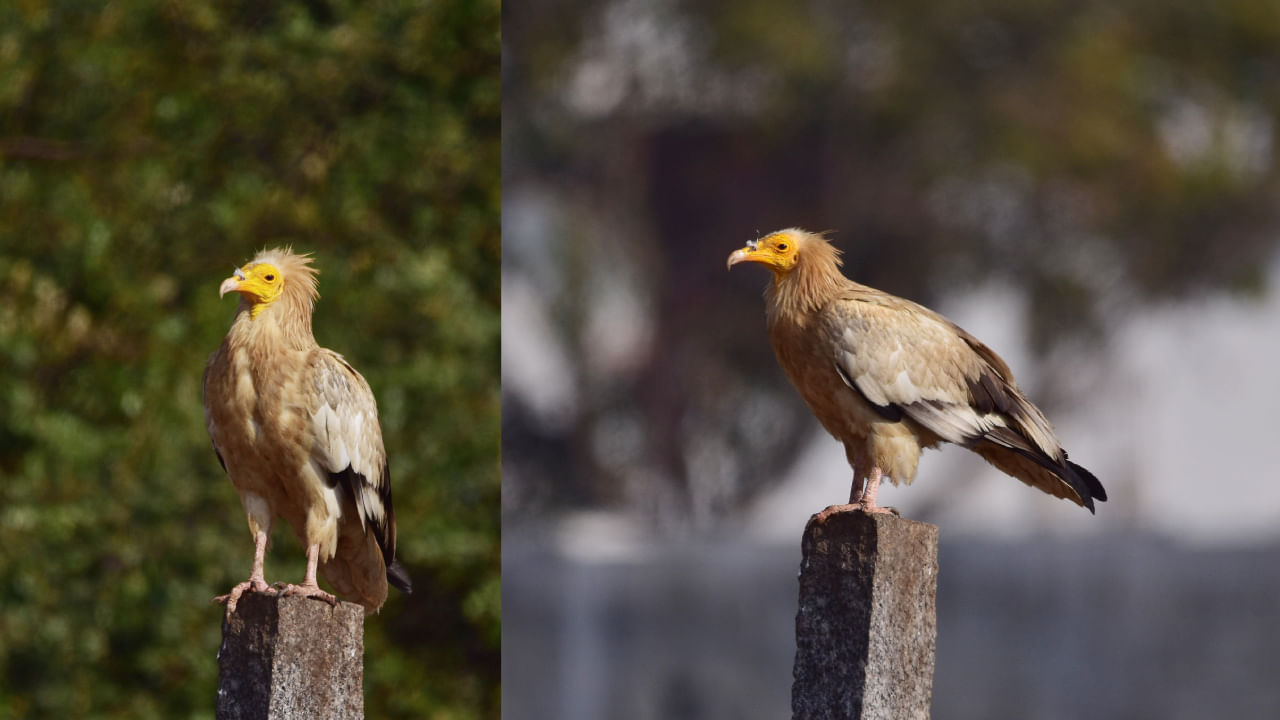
(1089, 187)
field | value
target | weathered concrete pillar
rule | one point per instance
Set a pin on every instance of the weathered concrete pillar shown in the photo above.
(866, 627)
(291, 658)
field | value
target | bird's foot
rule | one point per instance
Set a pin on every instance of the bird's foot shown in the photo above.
(310, 590)
(865, 507)
(257, 585)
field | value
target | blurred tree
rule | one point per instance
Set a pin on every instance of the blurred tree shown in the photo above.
(146, 148)
(1090, 155)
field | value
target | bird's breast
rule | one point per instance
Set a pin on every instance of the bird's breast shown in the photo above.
(811, 368)
(244, 396)
(257, 421)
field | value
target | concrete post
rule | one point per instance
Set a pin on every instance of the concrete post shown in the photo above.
(866, 627)
(289, 658)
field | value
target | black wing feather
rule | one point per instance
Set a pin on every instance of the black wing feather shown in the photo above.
(352, 484)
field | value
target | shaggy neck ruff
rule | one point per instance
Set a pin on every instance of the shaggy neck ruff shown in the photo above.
(286, 321)
(280, 324)
(810, 285)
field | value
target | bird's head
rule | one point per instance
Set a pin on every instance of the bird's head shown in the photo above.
(268, 277)
(258, 282)
(779, 251)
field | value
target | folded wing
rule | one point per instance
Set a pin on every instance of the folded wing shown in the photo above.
(906, 360)
(348, 448)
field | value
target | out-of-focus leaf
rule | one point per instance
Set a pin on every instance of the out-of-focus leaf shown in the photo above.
(145, 150)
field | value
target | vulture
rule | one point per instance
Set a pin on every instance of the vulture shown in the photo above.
(296, 429)
(888, 377)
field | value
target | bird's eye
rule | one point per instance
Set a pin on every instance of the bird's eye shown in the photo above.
(270, 278)
(782, 247)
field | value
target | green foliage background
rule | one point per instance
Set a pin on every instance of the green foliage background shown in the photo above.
(146, 148)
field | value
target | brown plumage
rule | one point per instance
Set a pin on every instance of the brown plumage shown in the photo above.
(296, 429)
(888, 377)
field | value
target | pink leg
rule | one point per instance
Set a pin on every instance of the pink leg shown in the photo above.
(309, 586)
(255, 583)
(869, 495)
(856, 491)
(864, 501)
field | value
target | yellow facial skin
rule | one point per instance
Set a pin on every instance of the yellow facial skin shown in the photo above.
(776, 252)
(260, 284)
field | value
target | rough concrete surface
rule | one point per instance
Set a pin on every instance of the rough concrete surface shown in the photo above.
(289, 658)
(866, 627)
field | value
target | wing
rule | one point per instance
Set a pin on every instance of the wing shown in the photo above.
(348, 445)
(216, 360)
(906, 360)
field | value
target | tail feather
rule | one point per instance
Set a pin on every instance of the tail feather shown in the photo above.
(399, 577)
(1094, 486)
(1068, 481)
(356, 572)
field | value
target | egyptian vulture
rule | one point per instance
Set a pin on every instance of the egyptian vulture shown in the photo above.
(888, 377)
(296, 429)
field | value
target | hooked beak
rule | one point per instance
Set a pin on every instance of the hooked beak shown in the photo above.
(743, 255)
(232, 283)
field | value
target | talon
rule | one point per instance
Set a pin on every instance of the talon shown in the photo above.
(311, 591)
(834, 510)
(850, 507)
(232, 598)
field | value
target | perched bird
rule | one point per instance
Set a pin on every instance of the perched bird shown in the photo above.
(296, 429)
(888, 377)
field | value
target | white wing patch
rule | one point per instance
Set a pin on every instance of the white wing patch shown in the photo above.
(902, 390)
(902, 386)
(347, 441)
(848, 363)
(334, 455)
(372, 505)
(959, 424)
(356, 426)
(346, 430)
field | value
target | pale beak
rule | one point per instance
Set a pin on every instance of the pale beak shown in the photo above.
(232, 283)
(738, 256)
(229, 285)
